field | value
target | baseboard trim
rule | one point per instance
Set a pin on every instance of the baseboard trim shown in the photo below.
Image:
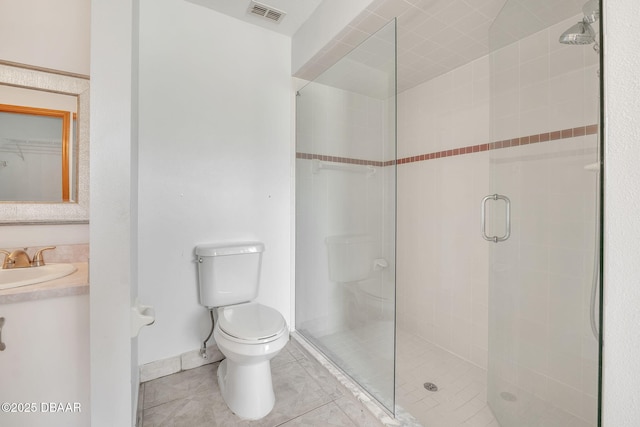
(185, 361)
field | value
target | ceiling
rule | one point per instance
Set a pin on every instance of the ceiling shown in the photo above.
(297, 12)
(437, 36)
(433, 36)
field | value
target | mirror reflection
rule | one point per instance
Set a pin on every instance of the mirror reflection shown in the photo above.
(37, 145)
(44, 172)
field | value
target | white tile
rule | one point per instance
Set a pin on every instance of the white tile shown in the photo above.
(534, 71)
(534, 46)
(533, 382)
(566, 368)
(506, 58)
(193, 359)
(481, 68)
(411, 19)
(389, 9)
(565, 397)
(534, 97)
(453, 11)
(589, 409)
(532, 345)
(506, 104)
(565, 61)
(429, 28)
(159, 368)
(461, 337)
(535, 121)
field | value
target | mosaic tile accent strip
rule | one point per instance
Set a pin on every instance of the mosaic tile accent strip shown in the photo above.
(514, 142)
(335, 159)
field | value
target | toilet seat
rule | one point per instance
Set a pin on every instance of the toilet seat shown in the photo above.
(251, 322)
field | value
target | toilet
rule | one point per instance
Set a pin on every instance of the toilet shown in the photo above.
(247, 333)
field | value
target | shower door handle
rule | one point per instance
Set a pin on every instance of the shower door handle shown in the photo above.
(507, 202)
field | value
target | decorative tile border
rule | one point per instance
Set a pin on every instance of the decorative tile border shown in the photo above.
(340, 159)
(525, 140)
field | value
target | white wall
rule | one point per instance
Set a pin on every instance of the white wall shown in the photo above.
(622, 213)
(215, 160)
(56, 37)
(113, 269)
(46, 34)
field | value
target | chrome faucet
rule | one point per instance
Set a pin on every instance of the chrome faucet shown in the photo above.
(20, 259)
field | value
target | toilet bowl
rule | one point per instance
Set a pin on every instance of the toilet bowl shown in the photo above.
(249, 335)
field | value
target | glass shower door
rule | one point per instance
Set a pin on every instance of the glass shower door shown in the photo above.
(345, 214)
(541, 219)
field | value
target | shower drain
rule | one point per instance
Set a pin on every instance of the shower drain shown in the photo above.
(431, 386)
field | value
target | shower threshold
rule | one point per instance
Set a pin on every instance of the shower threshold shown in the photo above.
(402, 417)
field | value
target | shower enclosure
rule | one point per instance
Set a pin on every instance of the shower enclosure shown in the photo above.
(490, 312)
(345, 214)
(543, 215)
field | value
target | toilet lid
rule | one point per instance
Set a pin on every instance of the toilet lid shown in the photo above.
(250, 321)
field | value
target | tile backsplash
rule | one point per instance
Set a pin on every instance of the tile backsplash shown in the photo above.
(61, 254)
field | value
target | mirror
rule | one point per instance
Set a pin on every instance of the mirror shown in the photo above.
(44, 174)
(36, 145)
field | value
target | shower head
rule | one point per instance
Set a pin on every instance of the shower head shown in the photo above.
(581, 33)
(591, 11)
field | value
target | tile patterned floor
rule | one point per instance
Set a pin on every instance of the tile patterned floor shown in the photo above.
(366, 352)
(306, 395)
(461, 399)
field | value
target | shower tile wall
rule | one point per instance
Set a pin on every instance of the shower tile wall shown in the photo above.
(332, 202)
(443, 262)
(552, 356)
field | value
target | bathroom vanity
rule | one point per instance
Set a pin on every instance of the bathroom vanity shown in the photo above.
(45, 362)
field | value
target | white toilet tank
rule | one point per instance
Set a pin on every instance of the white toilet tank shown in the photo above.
(228, 273)
(350, 257)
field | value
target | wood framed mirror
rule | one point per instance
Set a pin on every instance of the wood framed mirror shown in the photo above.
(24, 203)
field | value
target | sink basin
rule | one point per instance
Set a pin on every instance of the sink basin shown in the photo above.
(15, 277)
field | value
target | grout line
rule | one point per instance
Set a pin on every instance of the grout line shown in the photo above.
(309, 411)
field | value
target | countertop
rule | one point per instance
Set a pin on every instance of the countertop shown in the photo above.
(73, 284)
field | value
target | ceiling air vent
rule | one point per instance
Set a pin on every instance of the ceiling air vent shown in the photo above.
(267, 12)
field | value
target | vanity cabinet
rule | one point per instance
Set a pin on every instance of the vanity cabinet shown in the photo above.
(44, 369)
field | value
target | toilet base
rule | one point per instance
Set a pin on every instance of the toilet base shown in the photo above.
(247, 389)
